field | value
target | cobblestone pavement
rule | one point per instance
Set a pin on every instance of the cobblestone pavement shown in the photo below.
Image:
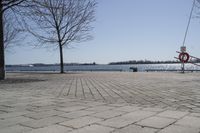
(100, 102)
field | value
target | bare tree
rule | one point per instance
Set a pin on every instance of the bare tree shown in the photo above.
(61, 22)
(4, 6)
(12, 31)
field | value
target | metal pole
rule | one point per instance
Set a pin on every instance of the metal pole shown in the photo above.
(188, 25)
(186, 32)
(183, 67)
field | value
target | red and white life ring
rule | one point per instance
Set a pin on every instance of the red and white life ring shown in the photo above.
(184, 57)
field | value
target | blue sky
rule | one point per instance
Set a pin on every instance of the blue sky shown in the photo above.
(126, 30)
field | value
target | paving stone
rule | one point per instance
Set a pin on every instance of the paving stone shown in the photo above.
(15, 129)
(108, 114)
(173, 114)
(179, 129)
(138, 115)
(93, 104)
(94, 129)
(135, 129)
(44, 122)
(76, 114)
(43, 103)
(13, 114)
(156, 122)
(195, 110)
(154, 109)
(100, 108)
(118, 104)
(74, 103)
(117, 122)
(2, 112)
(127, 119)
(52, 129)
(40, 115)
(189, 121)
(13, 121)
(128, 108)
(19, 109)
(72, 108)
(81, 122)
(195, 114)
(5, 109)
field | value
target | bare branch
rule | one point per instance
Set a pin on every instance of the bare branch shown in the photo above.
(7, 4)
(12, 31)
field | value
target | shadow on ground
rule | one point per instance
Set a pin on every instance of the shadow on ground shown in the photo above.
(19, 80)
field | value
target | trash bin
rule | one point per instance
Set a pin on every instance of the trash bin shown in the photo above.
(134, 69)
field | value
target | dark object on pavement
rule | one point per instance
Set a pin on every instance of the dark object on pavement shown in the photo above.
(134, 69)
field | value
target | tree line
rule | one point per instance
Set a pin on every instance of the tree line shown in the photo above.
(52, 23)
(150, 62)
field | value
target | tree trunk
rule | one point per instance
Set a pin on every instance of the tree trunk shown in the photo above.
(2, 61)
(61, 59)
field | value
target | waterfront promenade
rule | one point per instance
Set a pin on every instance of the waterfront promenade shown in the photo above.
(102, 102)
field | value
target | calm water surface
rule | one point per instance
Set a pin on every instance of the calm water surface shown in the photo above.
(141, 67)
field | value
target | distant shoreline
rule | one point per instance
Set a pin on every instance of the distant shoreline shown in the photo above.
(149, 62)
(146, 63)
(138, 63)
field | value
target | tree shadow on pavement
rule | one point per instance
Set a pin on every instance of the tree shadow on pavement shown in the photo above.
(20, 80)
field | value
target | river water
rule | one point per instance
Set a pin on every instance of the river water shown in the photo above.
(140, 67)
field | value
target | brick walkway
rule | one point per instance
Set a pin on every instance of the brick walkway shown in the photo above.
(100, 102)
